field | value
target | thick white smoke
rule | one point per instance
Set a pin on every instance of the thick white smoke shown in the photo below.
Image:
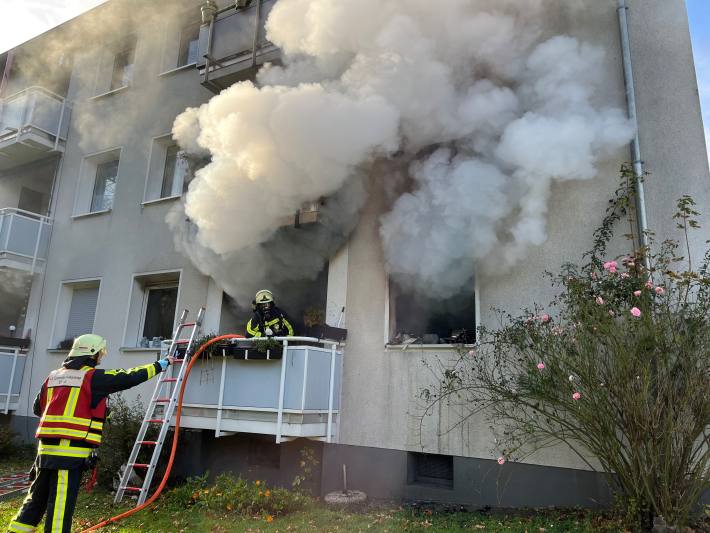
(486, 106)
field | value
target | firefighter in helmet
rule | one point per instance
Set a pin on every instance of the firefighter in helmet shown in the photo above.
(268, 320)
(72, 408)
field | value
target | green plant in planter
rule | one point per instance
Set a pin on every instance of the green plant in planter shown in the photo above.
(263, 345)
(617, 368)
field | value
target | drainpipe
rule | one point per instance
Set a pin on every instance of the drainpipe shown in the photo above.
(256, 33)
(633, 117)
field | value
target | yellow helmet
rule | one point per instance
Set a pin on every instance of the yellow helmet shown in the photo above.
(88, 344)
(264, 297)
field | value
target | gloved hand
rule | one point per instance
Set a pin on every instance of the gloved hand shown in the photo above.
(164, 363)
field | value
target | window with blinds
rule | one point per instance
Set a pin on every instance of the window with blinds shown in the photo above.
(82, 311)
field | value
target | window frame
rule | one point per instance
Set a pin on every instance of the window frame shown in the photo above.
(390, 319)
(83, 194)
(99, 167)
(62, 306)
(152, 190)
(195, 24)
(106, 67)
(133, 326)
(146, 296)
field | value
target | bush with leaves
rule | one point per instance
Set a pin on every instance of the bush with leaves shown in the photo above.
(237, 495)
(8, 441)
(617, 368)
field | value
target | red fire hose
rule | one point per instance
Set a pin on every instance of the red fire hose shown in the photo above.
(176, 433)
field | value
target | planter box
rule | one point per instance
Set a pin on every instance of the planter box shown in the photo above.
(323, 331)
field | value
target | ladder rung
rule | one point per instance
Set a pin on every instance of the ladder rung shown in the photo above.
(148, 442)
(133, 489)
(178, 361)
(188, 324)
(162, 400)
(168, 380)
(155, 421)
(140, 465)
(182, 341)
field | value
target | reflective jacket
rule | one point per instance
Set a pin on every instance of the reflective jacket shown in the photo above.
(276, 320)
(72, 406)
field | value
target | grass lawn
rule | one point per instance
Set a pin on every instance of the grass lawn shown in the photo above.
(171, 517)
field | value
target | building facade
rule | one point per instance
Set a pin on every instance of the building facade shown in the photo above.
(89, 172)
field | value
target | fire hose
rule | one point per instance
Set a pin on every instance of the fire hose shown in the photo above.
(176, 434)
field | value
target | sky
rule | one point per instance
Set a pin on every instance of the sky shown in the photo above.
(21, 20)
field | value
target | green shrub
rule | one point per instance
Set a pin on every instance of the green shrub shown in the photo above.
(239, 496)
(8, 443)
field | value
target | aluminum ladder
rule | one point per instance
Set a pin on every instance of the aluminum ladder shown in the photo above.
(160, 410)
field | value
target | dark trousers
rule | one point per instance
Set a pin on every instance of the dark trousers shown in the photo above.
(54, 491)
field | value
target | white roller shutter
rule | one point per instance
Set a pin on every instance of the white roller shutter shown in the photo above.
(82, 311)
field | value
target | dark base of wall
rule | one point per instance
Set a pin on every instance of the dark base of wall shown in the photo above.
(383, 474)
(23, 426)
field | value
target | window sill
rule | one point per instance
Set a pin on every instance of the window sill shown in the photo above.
(91, 214)
(134, 349)
(189, 66)
(109, 93)
(161, 200)
(56, 350)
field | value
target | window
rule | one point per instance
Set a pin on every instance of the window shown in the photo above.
(104, 185)
(415, 317)
(170, 170)
(76, 310)
(122, 73)
(151, 309)
(176, 173)
(159, 313)
(430, 469)
(189, 44)
(96, 187)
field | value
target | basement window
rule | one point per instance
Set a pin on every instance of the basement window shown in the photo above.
(430, 469)
(152, 309)
(416, 318)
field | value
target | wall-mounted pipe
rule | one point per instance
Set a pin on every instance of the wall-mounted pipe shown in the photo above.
(642, 219)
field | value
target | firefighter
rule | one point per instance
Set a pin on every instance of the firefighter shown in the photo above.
(268, 320)
(72, 408)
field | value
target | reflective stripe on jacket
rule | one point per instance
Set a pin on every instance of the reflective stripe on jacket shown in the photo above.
(67, 412)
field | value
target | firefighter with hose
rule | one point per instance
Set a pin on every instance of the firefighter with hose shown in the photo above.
(72, 408)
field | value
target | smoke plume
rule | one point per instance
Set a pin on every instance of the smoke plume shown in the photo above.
(481, 103)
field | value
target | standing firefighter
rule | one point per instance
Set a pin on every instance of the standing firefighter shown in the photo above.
(72, 409)
(268, 320)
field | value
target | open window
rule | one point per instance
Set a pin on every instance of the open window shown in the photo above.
(169, 170)
(189, 44)
(97, 182)
(152, 309)
(76, 311)
(181, 44)
(116, 67)
(417, 318)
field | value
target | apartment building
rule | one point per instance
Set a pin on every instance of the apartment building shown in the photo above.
(89, 171)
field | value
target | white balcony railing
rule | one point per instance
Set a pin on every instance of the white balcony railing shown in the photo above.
(290, 392)
(12, 367)
(24, 239)
(33, 123)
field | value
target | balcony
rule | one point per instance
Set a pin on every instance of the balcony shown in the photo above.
(33, 124)
(24, 239)
(12, 367)
(290, 391)
(233, 45)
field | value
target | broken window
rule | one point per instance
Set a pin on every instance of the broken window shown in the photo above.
(415, 317)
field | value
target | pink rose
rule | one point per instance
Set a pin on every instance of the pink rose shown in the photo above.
(545, 317)
(636, 312)
(660, 290)
(541, 366)
(649, 284)
(637, 293)
(600, 300)
(576, 396)
(501, 460)
(625, 275)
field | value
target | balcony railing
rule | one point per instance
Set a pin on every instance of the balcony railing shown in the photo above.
(290, 391)
(234, 44)
(24, 239)
(12, 367)
(33, 123)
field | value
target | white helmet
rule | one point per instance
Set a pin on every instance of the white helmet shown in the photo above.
(263, 297)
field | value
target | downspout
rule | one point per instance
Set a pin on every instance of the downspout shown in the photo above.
(642, 220)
